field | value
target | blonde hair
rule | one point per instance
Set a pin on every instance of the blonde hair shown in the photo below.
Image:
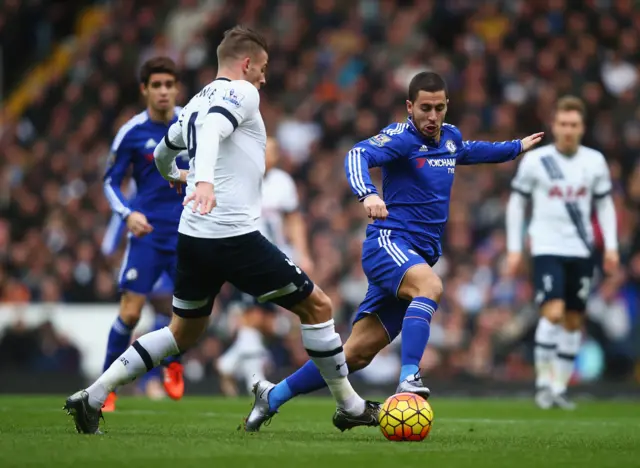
(240, 42)
(571, 103)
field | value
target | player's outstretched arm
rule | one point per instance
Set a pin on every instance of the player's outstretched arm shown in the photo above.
(484, 152)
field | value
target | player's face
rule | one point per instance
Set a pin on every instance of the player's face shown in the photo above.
(428, 112)
(272, 153)
(161, 92)
(568, 128)
(255, 69)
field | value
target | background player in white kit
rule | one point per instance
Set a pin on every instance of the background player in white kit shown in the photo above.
(281, 223)
(562, 180)
(222, 129)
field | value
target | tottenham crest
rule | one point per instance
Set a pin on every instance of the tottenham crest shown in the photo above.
(451, 146)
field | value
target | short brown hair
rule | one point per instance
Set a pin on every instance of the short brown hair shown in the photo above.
(157, 65)
(571, 103)
(240, 42)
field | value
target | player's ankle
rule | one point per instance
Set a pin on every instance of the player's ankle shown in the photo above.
(353, 405)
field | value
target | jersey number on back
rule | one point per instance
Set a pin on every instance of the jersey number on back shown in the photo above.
(191, 135)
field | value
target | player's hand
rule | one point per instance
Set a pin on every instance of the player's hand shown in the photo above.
(137, 223)
(375, 207)
(179, 184)
(512, 264)
(531, 141)
(611, 262)
(202, 197)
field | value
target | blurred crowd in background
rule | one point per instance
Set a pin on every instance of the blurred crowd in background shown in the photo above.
(338, 72)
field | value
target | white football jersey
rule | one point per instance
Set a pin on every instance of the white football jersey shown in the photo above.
(240, 166)
(279, 196)
(562, 189)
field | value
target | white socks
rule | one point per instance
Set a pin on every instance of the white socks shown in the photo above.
(545, 351)
(555, 354)
(563, 363)
(324, 347)
(143, 355)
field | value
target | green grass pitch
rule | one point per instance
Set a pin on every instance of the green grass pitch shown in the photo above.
(202, 432)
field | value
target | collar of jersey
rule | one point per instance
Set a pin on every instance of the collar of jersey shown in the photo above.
(222, 78)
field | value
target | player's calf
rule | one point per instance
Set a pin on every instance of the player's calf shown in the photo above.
(545, 347)
(143, 355)
(324, 347)
(131, 305)
(568, 346)
(423, 288)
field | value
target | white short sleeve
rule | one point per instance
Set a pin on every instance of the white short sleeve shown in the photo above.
(237, 103)
(525, 178)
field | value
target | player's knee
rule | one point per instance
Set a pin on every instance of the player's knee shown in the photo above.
(358, 358)
(187, 331)
(421, 282)
(573, 320)
(131, 306)
(316, 308)
(553, 310)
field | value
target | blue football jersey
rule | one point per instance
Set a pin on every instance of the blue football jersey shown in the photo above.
(417, 176)
(133, 148)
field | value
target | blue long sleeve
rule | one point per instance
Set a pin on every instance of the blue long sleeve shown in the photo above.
(374, 152)
(485, 152)
(121, 160)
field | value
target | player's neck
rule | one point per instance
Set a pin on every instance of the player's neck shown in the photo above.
(160, 116)
(226, 72)
(568, 151)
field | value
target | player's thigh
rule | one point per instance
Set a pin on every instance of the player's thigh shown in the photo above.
(579, 272)
(162, 292)
(259, 268)
(141, 267)
(549, 279)
(198, 276)
(386, 260)
(383, 312)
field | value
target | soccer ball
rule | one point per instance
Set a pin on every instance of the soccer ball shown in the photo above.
(405, 417)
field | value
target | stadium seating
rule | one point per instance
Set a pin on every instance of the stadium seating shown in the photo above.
(337, 73)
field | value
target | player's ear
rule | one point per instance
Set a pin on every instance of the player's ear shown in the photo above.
(246, 63)
(143, 89)
(409, 107)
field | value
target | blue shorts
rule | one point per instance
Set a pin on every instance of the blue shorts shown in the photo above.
(386, 258)
(143, 266)
(164, 286)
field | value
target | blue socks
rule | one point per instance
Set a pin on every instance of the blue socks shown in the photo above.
(307, 379)
(119, 338)
(415, 334)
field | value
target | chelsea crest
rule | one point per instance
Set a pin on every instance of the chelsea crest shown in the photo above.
(451, 146)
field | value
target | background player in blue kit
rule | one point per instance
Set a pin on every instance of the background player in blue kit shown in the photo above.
(151, 217)
(160, 299)
(418, 160)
